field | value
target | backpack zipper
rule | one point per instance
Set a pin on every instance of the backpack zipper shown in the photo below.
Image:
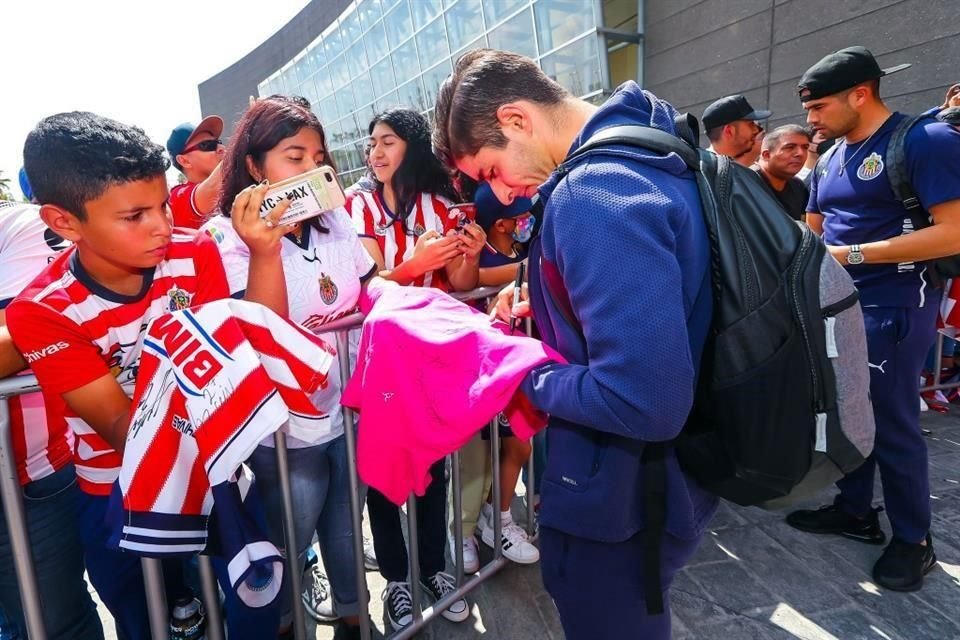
(840, 305)
(805, 243)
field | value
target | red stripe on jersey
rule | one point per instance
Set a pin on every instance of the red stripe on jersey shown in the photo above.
(197, 488)
(263, 341)
(164, 449)
(226, 420)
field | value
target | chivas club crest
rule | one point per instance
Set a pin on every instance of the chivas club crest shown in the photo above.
(871, 167)
(418, 230)
(328, 290)
(179, 299)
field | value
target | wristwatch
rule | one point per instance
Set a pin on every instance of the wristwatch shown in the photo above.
(855, 256)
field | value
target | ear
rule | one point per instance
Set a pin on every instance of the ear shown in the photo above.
(62, 222)
(183, 161)
(501, 225)
(765, 154)
(253, 170)
(514, 117)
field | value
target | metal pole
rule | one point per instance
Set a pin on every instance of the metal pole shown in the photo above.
(457, 515)
(937, 358)
(211, 598)
(156, 598)
(17, 528)
(413, 537)
(356, 509)
(495, 501)
(294, 566)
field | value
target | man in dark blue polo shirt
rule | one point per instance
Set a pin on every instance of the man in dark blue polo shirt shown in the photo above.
(870, 232)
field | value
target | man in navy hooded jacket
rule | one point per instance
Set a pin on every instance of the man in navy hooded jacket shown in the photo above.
(623, 235)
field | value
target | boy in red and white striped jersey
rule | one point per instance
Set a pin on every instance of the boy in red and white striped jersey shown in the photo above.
(79, 325)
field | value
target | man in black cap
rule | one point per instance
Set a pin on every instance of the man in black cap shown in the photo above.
(869, 231)
(731, 125)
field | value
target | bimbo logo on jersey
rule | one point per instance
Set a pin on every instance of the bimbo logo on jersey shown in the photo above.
(191, 349)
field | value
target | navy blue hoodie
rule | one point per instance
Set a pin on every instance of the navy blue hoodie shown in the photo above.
(624, 229)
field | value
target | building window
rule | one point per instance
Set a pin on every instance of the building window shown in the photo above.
(398, 24)
(424, 11)
(496, 10)
(464, 22)
(576, 66)
(559, 21)
(432, 44)
(514, 35)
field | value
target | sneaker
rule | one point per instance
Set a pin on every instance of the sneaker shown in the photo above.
(369, 556)
(316, 595)
(903, 565)
(471, 560)
(516, 545)
(439, 585)
(831, 519)
(399, 604)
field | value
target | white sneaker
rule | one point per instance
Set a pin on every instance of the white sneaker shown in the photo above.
(516, 545)
(471, 560)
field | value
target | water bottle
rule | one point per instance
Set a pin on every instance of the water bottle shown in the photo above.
(187, 622)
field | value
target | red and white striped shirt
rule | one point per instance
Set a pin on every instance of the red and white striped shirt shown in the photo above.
(72, 330)
(27, 246)
(372, 219)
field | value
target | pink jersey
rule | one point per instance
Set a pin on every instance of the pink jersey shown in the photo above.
(414, 411)
(72, 331)
(372, 219)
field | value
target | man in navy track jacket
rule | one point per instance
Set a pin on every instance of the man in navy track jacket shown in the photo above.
(624, 239)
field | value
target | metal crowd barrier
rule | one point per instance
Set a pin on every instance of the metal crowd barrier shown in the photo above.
(152, 569)
(938, 384)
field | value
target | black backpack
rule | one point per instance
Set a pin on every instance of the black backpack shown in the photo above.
(782, 405)
(896, 165)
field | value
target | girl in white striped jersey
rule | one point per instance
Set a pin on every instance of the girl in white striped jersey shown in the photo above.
(400, 211)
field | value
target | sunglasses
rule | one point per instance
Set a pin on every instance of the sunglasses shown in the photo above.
(204, 145)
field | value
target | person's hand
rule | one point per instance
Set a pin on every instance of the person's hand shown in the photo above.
(502, 306)
(261, 235)
(952, 97)
(472, 238)
(433, 251)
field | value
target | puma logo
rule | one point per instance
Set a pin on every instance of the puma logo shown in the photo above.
(387, 395)
(878, 366)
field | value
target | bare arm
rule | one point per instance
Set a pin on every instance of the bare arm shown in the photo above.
(939, 240)
(104, 406)
(497, 276)
(814, 220)
(11, 361)
(206, 194)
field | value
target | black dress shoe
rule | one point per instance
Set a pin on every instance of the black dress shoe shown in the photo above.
(903, 565)
(832, 519)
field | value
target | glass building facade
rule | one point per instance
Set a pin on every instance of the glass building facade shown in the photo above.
(383, 53)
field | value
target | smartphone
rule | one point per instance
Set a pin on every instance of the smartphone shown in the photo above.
(310, 194)
(464, 213)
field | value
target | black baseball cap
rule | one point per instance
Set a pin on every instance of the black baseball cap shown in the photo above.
(730, 109)
(840, 71)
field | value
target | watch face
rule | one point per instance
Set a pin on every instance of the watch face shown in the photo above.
(854, 257)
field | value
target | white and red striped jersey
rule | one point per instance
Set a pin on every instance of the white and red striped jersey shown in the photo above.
(324, 272)
(27, 246)
(73, 330)
(396, 238)
(213, 382)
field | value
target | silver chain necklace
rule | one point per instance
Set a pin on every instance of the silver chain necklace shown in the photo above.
(846, 161)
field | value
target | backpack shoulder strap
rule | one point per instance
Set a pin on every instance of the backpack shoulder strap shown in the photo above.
(900, 183)
(637, 136)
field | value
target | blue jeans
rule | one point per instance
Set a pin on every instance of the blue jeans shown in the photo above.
(50, 507)
(320, 485)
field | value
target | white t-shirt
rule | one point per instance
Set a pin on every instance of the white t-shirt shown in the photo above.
(324, 274)
(27, 246)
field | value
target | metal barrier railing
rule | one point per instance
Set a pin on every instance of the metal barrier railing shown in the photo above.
(152, 569)
(938, 383)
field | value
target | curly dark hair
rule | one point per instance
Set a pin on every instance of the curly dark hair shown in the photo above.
(74, 157)
(264, 125)
(420, 171)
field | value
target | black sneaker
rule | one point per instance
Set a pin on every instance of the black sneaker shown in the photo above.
(831, 519)
(903, 565)
(439, 585)
(343, 631)
(399, 604)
